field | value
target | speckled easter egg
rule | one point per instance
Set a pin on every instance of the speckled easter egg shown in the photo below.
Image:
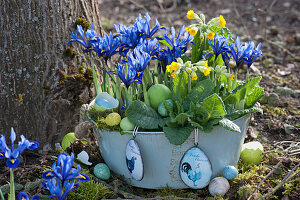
(102, 171)
(229, 172)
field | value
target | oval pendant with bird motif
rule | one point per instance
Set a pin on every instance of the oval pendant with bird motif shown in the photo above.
(195, 168)
(134, 160)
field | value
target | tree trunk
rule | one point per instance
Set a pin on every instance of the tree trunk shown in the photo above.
(37, 67)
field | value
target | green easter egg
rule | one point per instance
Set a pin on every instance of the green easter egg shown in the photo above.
(66, 141)
(251, 152)
(101, 171)
(161, 108)
(126, 125)
(157, 94)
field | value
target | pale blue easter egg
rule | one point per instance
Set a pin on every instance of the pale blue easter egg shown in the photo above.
(229, 172)
(101, 171)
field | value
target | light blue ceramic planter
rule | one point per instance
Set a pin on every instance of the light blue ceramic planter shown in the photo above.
(162, 159)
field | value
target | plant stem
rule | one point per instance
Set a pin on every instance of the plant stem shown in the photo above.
(97, 85)
(1, 195)
(12, 185)
(247, 75)
(189, 83)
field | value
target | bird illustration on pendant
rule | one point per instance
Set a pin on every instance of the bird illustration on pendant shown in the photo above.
(192, 175)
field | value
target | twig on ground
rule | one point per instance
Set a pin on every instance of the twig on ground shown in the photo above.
(164, 11)
(288, 177)
(125, 194)
(269, 174)
(281, 47)
(139, 5)
(240, 18)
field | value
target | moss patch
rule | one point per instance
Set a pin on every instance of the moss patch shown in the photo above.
(82, 22)
(274, 111)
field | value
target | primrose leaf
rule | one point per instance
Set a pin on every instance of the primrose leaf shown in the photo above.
(201, 90)
(212, 107)
(239, 113)
(178, 135)
(182, 118)
(252, 98)
(143, 115)
(229, 125)
(196, 56)
(241, 91)
(208, 127)
(181, 84)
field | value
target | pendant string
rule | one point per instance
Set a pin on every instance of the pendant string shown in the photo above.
(196, 136)
(135, 130)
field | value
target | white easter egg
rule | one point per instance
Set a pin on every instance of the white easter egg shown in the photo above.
(134, 160)
(84, 158)
(195, 168)
(218, 185)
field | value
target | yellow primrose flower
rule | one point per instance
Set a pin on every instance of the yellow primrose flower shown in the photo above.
(231, 76)
(210, 35)
(189, 70)
(169, 68)
(173, 75)
(174, 66)
(222, 21)
(192, 31)
(190, 14)
(187, 29)
(207, 71)
(195, 77)
(206, 63)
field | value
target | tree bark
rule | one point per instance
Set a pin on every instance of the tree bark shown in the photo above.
(33, 37)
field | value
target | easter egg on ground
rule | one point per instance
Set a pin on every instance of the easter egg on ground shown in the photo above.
(195, 168)
(126, 125)
(251, 152)
(67, 140)
(134, 160)
(158, 93)
(84, 158)
(218, 186)
(113, 119)
(229, 172)
(101, 171)
(161, 108)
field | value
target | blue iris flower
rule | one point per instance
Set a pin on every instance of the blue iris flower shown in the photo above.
(24, 196)
(54, 186)
(62, 169)
(132, 74)
(150, 46)
(252, 54)
(129, 38)
(107, 46)
(80, 36)
(62, 174)
(136, 63)
(176, 46)
(139, 59)
(219, 45)
(12, 154)
(238, 51)
(143, 26)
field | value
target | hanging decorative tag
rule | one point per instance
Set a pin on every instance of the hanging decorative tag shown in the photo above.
(134, 160)
(195, 168)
